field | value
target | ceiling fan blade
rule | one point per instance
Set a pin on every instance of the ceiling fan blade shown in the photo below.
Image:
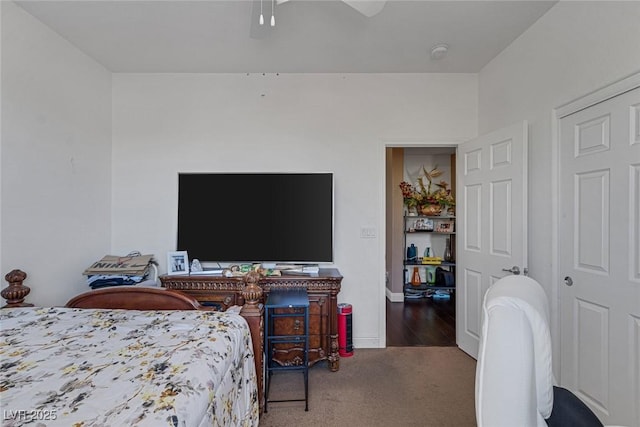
(368, 8)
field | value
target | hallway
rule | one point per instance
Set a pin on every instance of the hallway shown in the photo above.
(424, 322)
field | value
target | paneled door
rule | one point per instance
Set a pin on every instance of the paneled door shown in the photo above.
(599, 256)
(492, 232)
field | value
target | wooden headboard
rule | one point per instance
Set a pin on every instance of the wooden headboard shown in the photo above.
(135, 298)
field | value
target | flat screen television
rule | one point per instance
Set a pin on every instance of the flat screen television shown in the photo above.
(256, 217)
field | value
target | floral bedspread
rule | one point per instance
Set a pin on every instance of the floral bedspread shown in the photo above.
(82, 368)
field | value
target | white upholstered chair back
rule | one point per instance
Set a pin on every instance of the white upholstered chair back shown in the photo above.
(514, 378)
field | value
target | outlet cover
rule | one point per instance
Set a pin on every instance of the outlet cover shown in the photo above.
(368, 233)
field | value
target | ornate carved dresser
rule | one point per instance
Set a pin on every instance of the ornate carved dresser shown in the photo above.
(323, 289)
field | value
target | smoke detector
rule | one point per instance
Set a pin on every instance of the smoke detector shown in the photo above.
(439, 51)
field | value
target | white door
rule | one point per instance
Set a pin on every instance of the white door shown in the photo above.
(492, 232)
(599, 254)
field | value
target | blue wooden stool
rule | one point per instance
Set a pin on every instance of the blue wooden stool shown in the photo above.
(281, 304)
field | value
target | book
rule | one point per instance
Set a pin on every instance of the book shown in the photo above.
(212, 272)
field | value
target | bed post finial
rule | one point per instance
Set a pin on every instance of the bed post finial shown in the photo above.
(252, 292)
(252, 312)
(16, 292)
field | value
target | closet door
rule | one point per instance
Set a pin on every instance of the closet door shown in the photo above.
(599, 256)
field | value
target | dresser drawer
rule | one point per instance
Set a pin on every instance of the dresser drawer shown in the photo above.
(218, 300)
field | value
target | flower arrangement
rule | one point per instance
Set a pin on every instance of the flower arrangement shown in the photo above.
(424, 197)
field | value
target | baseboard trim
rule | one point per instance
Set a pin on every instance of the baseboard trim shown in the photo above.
(367, 343)
(394, 296)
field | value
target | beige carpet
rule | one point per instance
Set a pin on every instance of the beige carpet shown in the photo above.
(395, 386)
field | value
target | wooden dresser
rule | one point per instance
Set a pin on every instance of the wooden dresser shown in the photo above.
(322, 288)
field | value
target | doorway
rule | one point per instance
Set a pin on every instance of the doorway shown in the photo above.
(422, 321)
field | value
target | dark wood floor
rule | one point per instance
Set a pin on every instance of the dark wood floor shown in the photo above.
(423, 322)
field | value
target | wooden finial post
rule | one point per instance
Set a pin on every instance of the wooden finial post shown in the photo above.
(16, 292)
(252, 311)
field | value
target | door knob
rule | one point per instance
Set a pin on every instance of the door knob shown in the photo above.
(515, 270)
(568, 281)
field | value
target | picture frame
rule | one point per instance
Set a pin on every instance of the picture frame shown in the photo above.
(422, 224)
(444, 227)
(177, 263)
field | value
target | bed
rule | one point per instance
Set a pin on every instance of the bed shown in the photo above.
(132, 356)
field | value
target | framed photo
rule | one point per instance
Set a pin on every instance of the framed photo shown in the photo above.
(423, 224)
(444, 227)
(177, 263)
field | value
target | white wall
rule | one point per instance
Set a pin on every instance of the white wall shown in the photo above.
(169, 123)
(574, 49)
(56, 158)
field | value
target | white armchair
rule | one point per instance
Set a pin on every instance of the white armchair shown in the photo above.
(514, 377)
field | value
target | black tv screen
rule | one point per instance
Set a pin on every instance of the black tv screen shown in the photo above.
(256, 217)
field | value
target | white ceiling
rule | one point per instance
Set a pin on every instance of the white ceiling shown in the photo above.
(323, 36)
